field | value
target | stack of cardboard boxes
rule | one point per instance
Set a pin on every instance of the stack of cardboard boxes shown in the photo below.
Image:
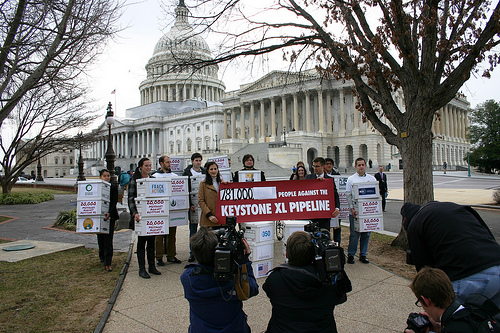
(260, 237)
(92, 205)
(369, 207)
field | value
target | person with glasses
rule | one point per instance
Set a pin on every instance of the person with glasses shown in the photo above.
(435, 295)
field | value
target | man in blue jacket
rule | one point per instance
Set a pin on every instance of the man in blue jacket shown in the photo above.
(214, 305)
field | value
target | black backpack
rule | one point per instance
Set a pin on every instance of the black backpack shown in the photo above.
(480, 313)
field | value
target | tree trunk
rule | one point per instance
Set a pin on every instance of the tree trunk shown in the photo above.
(416, 152)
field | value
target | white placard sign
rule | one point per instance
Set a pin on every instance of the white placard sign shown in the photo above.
(176, 164)
(221, 161)
(179, 185)
(249, 176)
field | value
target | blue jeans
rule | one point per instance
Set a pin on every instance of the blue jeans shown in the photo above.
(354, 238)
(486, 282)
(193, 228)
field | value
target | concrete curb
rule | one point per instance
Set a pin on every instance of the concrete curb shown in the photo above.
(116, 291)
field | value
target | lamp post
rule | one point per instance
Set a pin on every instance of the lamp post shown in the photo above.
(39, 177)
(468, 163)
(81, 174)
(110, 153)
(284, 135)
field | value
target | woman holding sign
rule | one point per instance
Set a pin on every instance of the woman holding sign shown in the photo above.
(207, 195)
(105, 241)
(144, 243)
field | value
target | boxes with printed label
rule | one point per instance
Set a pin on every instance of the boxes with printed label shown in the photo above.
(152, 207)
(92, 207)
(249, 176)
(179, 185)
(340, 182)
(93, 189)
(262, 251)
(194, 200)
(195, 184)
(291, 226)
(258, 232)
(177, 164)
(194, 217)
(92, 224)
(369, 223)
(153, 187)
(152, 226)
(369, 207)
(365, 190)
(226, 175)
(262, 268)
(179, 217)
(179, 202)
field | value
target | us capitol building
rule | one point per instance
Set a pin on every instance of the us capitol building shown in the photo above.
(281, 118)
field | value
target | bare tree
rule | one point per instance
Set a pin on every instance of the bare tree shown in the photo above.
(426, 48)
(41, 122)
(49, 42)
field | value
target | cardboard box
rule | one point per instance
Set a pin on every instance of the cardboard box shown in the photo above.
(179, 185)
(262, 268)
(194, 200)
(93, 189)
(93, 224)
(258, 232)
(371, 223)
(226, 175)
(194, 217)
(92, 207)
(249, 176)
(178, 218)
(262, 251)
(365, 190)
(343, 198)
(221, 161)
(344, 212)
(177, 164)
(153, 206)
(179, 202)
(369, 207)
(291, 226)
(340, 182)
(195, 184)
(153, 187)
(334, 222)
(152, 226)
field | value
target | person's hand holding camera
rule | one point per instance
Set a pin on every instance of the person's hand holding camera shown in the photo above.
(246, 247)
(434, 326)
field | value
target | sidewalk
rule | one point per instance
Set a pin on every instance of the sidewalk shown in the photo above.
(380, 300)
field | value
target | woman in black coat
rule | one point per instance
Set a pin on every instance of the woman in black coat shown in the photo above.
(105, 241)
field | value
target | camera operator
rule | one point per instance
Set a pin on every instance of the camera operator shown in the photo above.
(435, 295)
(214, 305)
(454, 238)
(300, 301)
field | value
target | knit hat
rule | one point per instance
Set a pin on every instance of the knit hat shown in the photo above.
(407, 212)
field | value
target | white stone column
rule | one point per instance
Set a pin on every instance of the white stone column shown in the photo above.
(321, 113)
(342, 113)
(183, 92)
(295, 112)
(233, 123)
(162, 141)
(251, 118)
(225, 123)
(242, 121)
(126, 153)
(273, 119)
(284, 117)
(262, 122)
(355, 113)
(328, 112)
(308, 111)
(447, 121)
(153, 143)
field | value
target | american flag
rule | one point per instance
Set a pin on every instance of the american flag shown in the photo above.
(113, 92)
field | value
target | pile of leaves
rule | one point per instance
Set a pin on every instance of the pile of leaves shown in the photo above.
(24, 198)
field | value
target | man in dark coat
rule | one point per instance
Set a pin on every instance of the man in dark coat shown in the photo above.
(382, 184)
(454, 238)
(301, 302)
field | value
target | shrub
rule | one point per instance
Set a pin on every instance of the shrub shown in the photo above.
(25, 198)
(66, 219)
(496, 196)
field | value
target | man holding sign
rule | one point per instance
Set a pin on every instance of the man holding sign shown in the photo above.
(319, 173)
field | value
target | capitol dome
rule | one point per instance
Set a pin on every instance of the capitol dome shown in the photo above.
(166, 81)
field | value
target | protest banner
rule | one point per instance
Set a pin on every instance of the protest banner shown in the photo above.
(276, 200)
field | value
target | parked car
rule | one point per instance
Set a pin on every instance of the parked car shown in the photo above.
(21, 180)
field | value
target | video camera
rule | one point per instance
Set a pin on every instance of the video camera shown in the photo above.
(329, 258)
(229, 251)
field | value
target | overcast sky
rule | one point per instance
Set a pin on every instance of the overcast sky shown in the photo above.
(122, 66)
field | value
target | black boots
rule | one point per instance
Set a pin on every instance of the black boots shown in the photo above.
(152, 268)
(142, 273)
